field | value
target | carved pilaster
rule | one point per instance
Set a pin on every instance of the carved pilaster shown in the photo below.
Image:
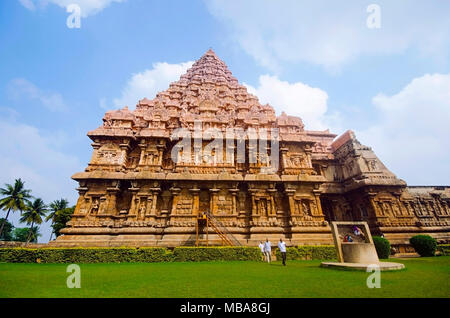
(133, 207)
(254, 202)
(273, 208)
(234, 193)
(154, 194)
(213, 202)
(175, 196)
(195, 201)
(290, 194)
(318, 211)
(124, 148)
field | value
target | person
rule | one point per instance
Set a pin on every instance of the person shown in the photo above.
(282, 247)
(357, 231)
(268, 250)
(261, 247)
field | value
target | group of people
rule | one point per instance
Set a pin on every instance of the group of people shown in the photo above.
(357, 232)
(266, 250)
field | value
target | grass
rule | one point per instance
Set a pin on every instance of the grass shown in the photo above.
(423, 277)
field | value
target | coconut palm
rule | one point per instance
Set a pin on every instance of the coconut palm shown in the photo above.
(55, 208)
(33, 214)
(14, 198)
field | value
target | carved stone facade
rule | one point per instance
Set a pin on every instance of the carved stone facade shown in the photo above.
(133, 194)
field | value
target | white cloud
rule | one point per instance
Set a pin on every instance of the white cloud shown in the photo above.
(332, 35)
(297, 99)
(88, 7)
(148, 83)
(412, 137)
(28, 4)
(27, 153)
(21, 88)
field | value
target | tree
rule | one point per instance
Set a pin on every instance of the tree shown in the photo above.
(33, 214)
(14, 199)
(20, 234)
(61, 219)
(7, 234)
(55, 207)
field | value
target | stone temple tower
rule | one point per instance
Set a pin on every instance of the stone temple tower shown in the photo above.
(257, 174)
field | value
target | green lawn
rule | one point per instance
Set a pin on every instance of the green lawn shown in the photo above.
(423, 277)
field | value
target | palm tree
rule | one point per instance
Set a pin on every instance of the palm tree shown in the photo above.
(14, 198)
(55, 208)
(33, 214)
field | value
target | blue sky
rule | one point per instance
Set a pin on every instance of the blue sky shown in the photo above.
(314, 59)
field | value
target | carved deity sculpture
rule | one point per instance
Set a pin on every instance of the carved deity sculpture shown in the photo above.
(306, 208)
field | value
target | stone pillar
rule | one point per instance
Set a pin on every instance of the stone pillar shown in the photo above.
(175, 195)
(373, 204)
(254, 202)
(112, 198)
(290, 193)
(196, 201)
(273, 208)
(234, 193)
(82, 189)
(143, 147)
(133, 208)
(318, 211)
(284, 164)
(95, 145)
(124, 147)
(160, 148)
(154, 193)
(213, 205)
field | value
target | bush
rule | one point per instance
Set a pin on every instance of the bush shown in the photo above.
(156, 254)
(307, 252)
(425, 245)
(85, 255)
(444, 249)
(225, 253)
(382, 246)
(18, 255)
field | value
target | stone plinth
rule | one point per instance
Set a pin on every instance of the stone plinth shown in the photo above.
(384, 266)
(359, 253)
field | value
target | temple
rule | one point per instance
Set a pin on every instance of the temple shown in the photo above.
(133, 192)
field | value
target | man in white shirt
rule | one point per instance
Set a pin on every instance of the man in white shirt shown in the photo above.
(282, 247)
(261, 247)
(268, 250)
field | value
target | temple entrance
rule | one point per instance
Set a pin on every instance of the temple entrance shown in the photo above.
(327, 209)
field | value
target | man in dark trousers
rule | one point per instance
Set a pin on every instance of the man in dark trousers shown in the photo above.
(282, 247)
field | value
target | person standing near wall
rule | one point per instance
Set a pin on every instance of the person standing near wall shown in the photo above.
(261, 247)
(282, 247)
(268, 250)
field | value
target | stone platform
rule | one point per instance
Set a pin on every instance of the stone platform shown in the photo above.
(384, 266)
